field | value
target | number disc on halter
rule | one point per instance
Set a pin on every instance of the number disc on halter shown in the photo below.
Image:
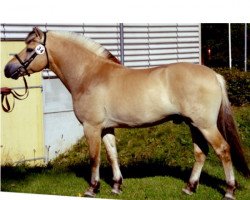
(40, 49)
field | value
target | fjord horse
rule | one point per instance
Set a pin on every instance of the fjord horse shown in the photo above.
(107, 95)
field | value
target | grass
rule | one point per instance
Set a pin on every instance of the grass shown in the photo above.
(44, 182)
(162, 185)
(155, 165)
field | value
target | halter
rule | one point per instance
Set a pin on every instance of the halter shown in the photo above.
(39, 50)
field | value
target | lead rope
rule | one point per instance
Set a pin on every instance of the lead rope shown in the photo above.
(5, 91)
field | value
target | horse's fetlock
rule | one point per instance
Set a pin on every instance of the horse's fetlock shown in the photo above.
(95, 184)
(231, 187)
(93, 189)
(190, 187)
(117, 186)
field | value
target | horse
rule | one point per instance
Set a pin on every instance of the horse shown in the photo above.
(107, 95)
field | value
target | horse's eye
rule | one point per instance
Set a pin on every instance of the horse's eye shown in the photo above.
(29, 50)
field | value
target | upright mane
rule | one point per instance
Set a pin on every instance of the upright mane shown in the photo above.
(89, 44)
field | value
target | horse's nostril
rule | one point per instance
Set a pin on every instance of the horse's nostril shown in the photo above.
(11, 71)
(7, 71)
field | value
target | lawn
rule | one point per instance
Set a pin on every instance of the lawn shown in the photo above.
(156, 163)
(164, 184)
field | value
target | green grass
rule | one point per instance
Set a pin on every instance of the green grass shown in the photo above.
(156, 163)
(68, 183)
(46, 182)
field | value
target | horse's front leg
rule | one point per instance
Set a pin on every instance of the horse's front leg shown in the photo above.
(93, 137)
(110, 145)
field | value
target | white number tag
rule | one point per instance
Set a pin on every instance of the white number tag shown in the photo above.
(40, 49)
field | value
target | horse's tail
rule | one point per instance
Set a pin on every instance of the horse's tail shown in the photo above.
(228, 129)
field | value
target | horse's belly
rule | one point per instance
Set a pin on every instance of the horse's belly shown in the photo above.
(140, 111)
(141, 97)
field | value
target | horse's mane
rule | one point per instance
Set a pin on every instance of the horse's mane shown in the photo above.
(89, 44)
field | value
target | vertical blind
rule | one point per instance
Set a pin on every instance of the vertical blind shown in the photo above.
(136, 45)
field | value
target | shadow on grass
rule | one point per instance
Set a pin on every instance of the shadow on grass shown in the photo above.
(143, 170)
(20, 172)
(138, 170)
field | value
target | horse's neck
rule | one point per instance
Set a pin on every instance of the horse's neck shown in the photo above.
(72, 63)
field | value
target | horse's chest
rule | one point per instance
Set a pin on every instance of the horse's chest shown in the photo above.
(89, 107)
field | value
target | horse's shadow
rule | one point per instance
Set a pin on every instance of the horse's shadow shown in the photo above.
(142, 170)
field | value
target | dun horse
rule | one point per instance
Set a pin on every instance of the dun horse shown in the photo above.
(107, 95)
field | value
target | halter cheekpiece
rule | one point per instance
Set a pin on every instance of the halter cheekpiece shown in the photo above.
(39, 50)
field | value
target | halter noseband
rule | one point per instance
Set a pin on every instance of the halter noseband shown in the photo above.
(39, 50)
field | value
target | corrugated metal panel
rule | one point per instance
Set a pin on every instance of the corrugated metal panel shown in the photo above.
(155, 44)
(106, 34)
(141, 44)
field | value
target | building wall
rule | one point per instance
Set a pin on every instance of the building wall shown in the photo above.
(21, 130)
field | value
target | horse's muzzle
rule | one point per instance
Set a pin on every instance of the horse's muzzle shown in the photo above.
(13, 71)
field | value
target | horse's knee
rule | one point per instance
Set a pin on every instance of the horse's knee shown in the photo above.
(93, 138)
(199, 155)
(219, 144)
(94, 161)
(223, 151)
(110, 145)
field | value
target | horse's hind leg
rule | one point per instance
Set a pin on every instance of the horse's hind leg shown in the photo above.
(93, 137)
(110, 144)
(222, 149)
(200, 153)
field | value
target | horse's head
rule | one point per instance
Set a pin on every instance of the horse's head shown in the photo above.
(33, 58)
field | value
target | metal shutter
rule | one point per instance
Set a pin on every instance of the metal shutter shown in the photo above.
(105, 34)
(155, 44)
(136, 45)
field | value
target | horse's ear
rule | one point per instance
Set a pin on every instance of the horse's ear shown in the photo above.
(38, 32)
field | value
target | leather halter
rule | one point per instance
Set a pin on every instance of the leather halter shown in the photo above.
(5, 91)
(25, 64)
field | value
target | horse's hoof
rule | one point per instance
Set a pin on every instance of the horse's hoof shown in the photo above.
(229, 196)
(187, 191)
(116, 191)
(93, 189)
(190, 188)
(117, 187)
(89, 193)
